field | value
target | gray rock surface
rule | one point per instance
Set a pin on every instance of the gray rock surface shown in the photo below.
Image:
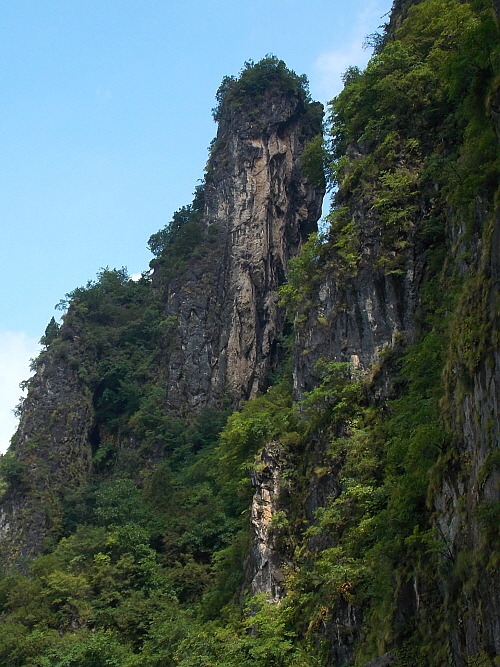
(52, 451)
(384, 661)
(259, 209)
(266, 573)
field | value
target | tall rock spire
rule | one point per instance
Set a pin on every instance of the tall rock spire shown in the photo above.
(221, 320)
(258, 210)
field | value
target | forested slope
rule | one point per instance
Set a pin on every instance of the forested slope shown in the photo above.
(279, 448)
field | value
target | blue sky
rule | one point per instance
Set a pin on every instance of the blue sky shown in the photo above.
(105, 122)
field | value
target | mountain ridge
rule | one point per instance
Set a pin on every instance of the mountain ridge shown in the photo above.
(276, 450)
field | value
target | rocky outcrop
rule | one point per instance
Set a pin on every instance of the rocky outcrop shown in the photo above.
(384, 661)
(259, 208)
(468, 493)
(367, 319)
(222, 323)
(220, 337)
(358, 313)
(266, 574)
(49, 457)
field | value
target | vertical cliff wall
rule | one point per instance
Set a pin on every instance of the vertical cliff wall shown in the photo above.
(466, 500)
(401, 297)
(49, 457)
(468, 490)
(373, 456)
(359, 309)
(258, 210)
(205, 333)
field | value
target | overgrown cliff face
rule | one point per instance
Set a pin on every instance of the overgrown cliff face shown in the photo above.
(50, 457)
(401, 297)
(357, 313)
(466, 498)
(257, 211)
(346, 512)
(132, 360)
(85, 374)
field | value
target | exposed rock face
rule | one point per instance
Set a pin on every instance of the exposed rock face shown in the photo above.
(356, 314)
(470, 483)
(224, 335)
(224, 326)
(51, 456)
(259, 209)
(360, 315)
(266, 574)
(359, 319)
(384, 661)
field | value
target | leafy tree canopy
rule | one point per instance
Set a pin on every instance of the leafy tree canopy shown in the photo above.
(255, 80)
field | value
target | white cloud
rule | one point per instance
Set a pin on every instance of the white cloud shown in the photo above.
(16, 350)
(326, 80)
(136, 276)
(331, 65)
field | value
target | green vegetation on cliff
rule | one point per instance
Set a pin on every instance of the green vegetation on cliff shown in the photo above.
(255, 80)
(146, 566)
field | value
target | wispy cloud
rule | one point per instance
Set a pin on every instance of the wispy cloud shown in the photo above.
(326, 80)
(16, 350)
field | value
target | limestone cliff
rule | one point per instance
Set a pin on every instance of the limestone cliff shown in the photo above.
(368, 320)
(49, 457)
(357, 313)
(266, 575)
(469, 486)
(354, 483)
(406, 275)
(207, 335)
(258, 210)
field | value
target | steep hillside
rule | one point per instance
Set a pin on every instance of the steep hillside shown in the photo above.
(203, 331)
(280, 447)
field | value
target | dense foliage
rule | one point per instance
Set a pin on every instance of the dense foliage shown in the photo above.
(173, 245)
(255, 80)
(148, 566)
